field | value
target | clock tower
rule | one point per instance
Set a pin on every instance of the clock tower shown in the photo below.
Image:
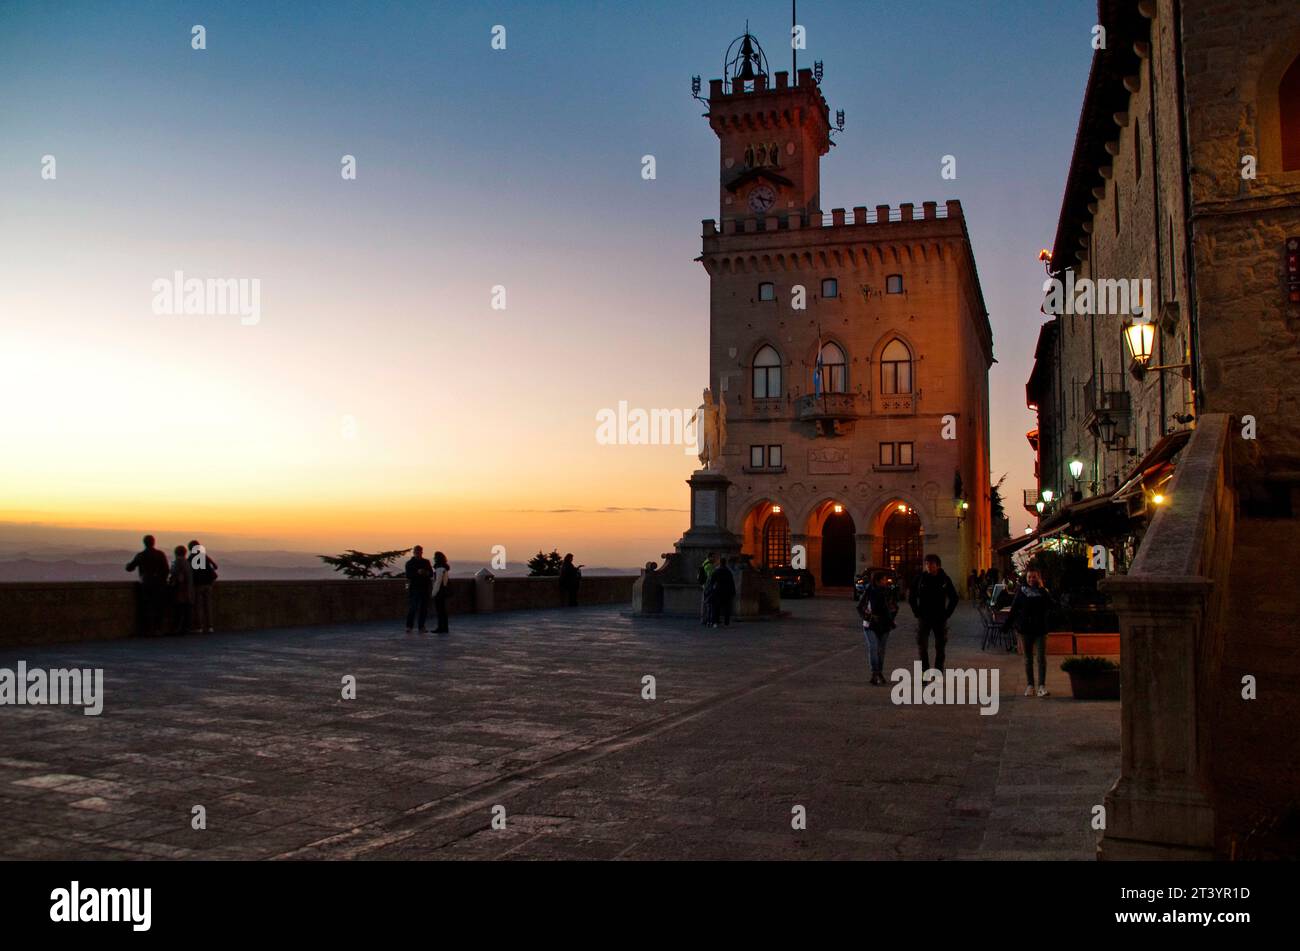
(771, 137)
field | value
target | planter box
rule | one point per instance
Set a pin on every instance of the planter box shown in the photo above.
(1095, 644)
(1060, 642)
(1103, 685)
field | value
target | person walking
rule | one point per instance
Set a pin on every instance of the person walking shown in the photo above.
(181, 579)
(441, 589)
(721, 591)
(877, 607)
(205, 576)
(933, 600)
(570, 578)
(1028, 618)
(151, 595)
(419, 589)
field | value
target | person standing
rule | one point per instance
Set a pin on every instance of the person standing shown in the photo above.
(570, 578)
(723, 592)
(706, 596)
(1028, 618)
(877, 607)
(933, 600)
(152, 593)
(419, 589)
(441, 589)
(205, 576)
(181, 580)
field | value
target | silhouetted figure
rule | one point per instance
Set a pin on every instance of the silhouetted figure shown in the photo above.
(419, 589)
(181, 580)
(570, 578)
(720, 590)
(151, 601)
(706, 596)
(933, 600)
(1028, 618)
(205, 576)
(441, 589)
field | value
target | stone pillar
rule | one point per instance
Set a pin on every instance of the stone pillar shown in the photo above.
(1158, 808)
(866, 545)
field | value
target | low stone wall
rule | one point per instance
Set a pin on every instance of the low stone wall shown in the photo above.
(58, 612)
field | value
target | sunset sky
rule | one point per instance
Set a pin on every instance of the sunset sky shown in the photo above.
(380, 400)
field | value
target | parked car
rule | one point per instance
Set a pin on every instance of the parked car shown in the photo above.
(891, 581)
(794, 582)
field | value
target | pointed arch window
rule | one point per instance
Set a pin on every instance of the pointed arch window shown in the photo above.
(1288, 110)
(896, 368)
(767, 374)
(835, 377)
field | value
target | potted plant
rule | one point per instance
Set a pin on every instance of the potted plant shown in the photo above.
(1092, 678)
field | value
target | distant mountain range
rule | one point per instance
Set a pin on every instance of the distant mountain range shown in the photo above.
(109, 564)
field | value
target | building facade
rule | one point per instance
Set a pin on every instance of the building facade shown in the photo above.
(851, 351)
(1184, 190)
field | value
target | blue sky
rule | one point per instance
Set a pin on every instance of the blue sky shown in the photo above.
(479, 167)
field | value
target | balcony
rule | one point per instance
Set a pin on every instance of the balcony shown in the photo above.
(1108, 405)
(830, 410)
(895, 404)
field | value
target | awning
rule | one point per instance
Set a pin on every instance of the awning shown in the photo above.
(1155, 460)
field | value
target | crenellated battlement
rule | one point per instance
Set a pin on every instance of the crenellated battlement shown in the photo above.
(838, 218)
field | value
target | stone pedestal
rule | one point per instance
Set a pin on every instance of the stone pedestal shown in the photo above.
(673, 588)
(1159, 807)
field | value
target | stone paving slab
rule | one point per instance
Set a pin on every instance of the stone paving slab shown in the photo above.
(541, 713)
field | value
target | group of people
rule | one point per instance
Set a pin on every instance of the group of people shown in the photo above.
(720, 578)
(933, 599)
(173, 596)
(427, 581)
(980, 583)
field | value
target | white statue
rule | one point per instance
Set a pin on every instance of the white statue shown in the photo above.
(710, 422)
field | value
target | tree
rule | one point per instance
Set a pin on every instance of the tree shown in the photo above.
(995, 500)
(540, 564)
(360, 565)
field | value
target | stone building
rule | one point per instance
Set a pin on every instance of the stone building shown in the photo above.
(851, 350)
(1169, 431)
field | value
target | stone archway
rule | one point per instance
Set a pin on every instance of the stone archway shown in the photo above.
(839, 549)
(902, 540)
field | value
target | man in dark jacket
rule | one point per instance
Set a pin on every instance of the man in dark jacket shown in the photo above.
(152, 595)
(721, 591)
(205, 576)
(419, 588)
(933, 600)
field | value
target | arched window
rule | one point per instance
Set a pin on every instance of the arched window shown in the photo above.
(896, 368)
(776, 542)
(835, 377)
(767, 374)
(1288, 110)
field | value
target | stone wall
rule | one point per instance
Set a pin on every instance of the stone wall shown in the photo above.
(55, 612)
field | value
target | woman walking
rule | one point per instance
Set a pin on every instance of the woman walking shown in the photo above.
(1029, 619)
(441, 589)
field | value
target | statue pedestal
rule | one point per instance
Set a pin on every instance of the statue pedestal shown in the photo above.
(674, 588)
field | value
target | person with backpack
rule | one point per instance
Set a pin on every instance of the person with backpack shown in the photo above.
(419, 589)
(570, 578)
(181, 580)
(933, 600)
(1028, 618)
(441, 589)
(877, 607)
(205, 576)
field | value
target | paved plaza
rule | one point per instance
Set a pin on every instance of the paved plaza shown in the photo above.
(542, 713)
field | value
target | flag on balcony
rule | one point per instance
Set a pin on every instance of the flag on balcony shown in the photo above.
(817, 367)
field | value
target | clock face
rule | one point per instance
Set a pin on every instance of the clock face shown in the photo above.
(761, 199)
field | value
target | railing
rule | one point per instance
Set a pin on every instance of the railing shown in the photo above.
(831, 406)
(895, 404)
(1105, 391)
